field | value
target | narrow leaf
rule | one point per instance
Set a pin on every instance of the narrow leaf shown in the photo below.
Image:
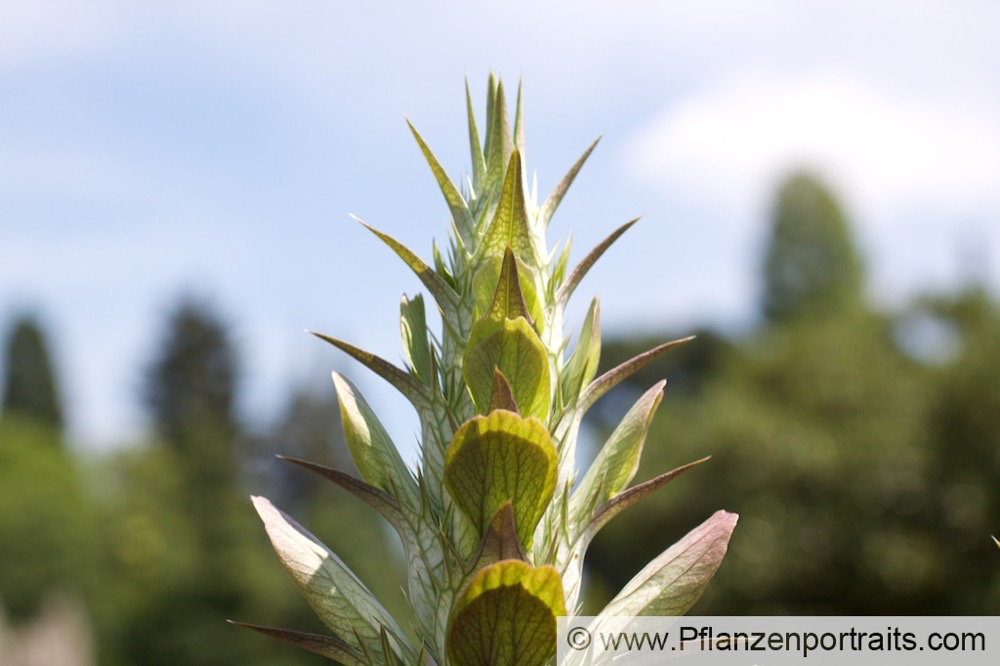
(559, 269)
(582, 364)
(325, 646)
(340, 600)
(499, 145)
(574, 278)
(507, 615)
(556, 196)
(491, 103)
(441, 267)
(514, 348)
(675, 580)
(502, 396)
(437, 285)
(618, 459)
(475, 147)
(509, 226)
(403, 381)
(627, 498)
(413, 328)
(376, 498)
(597, 388)
(498, 458)
(500, 541)
(372, 450)
(519, 118)
(456, 202)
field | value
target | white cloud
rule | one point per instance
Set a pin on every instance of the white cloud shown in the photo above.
(892, 152)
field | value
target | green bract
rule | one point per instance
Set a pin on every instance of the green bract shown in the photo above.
(496, 521)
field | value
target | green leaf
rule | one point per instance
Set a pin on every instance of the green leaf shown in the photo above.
(574, 278)
(445, 296)
(582, 364)
(506, 616)
(403, 381)
(508, 300)
(413, 327)
(618, 459)
(627, 498)
(519, 118)
(499, 145)
(575, 547)
(674, 581)
(597, 388)
(500, 541)
(509, 226)
(378, 499)
(330, 647)
(491, 103)
(498, 458)
(475, 147)
(502, 396)
(456, 202)
(487, 277)
(340, 600)
(441, 267)
(559, 268)
(514, 348)
(555, 198)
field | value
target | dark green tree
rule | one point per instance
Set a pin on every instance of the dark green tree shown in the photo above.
(30, 388)
(865, 476)
(186, 544)
(965, 445)
(48, 522)
(193, 380)
(811, 263)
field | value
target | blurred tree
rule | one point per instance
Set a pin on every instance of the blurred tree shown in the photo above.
(48, 541)
(192, 383)
(865, 478)
(810, 263)
(188, 548)
(49, 538)
(966, 448)
(30, 385)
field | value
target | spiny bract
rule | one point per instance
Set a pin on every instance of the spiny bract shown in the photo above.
(495, 522)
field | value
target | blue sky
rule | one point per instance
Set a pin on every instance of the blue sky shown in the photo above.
(217, 147)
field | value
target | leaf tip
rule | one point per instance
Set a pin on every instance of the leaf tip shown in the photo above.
(261, 504)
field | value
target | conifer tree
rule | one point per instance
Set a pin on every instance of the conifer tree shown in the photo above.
(30, 388)
(811, 263)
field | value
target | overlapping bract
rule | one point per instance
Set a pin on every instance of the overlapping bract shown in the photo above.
(495, 523)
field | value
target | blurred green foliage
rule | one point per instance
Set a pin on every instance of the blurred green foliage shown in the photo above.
(860, 448)
(159, 539)
(48, 525)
